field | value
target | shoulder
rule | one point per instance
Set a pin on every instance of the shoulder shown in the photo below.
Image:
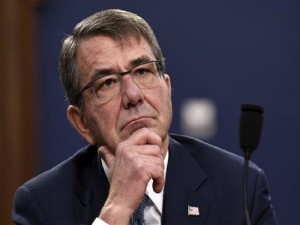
(201, 148)
(224, 176)
(52, 194)
(67, 170)
(208, 156)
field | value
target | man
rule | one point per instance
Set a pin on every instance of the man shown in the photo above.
(114, 77)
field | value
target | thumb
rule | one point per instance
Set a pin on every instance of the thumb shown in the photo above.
(108, 157)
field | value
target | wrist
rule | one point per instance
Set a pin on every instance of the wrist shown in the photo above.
(115, 214)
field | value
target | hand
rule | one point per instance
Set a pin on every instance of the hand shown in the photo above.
(136, 160)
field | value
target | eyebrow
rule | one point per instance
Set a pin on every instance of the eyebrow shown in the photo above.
(132, 63)
(139, 60)
(101, 72)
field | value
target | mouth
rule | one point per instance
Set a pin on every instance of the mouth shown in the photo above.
(137, 123)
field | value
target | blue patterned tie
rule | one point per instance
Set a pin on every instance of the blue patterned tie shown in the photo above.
(138, 215)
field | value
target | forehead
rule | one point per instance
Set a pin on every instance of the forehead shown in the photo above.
(105, 49)
(102, 52)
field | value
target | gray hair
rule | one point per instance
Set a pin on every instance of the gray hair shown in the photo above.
(115, 23)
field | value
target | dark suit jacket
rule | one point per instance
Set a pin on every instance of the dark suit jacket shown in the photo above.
(198, 175)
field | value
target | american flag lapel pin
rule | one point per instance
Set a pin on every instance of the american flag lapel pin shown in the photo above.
(193, 211)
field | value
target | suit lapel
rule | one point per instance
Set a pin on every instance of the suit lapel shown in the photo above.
(91, 189)
(186, 185)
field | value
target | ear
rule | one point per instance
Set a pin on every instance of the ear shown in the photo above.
(168, 82)
(78, 121)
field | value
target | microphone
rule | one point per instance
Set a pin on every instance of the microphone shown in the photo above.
(251, 120)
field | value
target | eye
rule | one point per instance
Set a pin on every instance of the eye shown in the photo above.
(143, 70)
(106, 82)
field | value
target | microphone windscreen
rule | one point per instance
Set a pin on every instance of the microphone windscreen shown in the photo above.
(251, 121)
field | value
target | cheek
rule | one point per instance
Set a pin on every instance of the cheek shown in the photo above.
(166, 105)
(103, 121)
(108, 119)
(164, 97)
(161, 101)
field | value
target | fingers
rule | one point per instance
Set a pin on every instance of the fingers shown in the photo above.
(158, 184)
(142, 142)
(133, 163)
(144, 136)
(155, 170)
(146, 150)
(149, 167)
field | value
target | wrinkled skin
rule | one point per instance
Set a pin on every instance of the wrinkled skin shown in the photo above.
(131, 129)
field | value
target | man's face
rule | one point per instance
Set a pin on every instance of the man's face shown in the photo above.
(114, 121)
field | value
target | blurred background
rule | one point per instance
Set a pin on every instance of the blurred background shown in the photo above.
(219, 53)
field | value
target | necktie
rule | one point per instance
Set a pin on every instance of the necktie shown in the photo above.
(138, 215)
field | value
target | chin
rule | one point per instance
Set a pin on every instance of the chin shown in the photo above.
(136, 125)
(130, 129)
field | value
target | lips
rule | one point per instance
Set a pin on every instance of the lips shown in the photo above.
(142, 115)
(138, 122)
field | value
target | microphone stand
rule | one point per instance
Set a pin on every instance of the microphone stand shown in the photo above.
(247, 155)
(250, 130)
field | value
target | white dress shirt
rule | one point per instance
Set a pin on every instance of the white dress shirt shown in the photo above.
(153, 209)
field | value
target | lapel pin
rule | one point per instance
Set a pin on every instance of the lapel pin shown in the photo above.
(193, 211)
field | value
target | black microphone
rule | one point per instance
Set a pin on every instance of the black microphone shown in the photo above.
(251, 121)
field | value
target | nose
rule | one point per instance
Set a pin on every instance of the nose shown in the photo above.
(132, 94)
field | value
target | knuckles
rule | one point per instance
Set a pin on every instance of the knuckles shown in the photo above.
(141, 156)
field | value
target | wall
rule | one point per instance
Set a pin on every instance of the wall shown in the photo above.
(18, 135)
(227, 51)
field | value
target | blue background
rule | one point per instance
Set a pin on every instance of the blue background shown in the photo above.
(229, 51)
